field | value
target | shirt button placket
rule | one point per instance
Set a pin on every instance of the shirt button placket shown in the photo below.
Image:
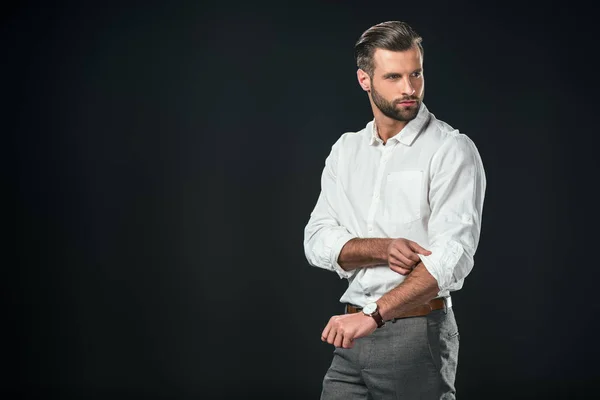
(377, 188)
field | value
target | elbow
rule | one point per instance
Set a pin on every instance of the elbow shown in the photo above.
(449, 264)
(309, 254)
(308, 244)
(312, 248)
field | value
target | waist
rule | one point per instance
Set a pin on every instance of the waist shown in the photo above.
(418, 311)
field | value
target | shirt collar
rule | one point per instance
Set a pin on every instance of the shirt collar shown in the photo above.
(410, 131)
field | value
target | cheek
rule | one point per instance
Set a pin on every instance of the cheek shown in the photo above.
(387, 89)
(421, 85)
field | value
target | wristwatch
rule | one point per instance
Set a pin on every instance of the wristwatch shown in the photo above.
(372, 310)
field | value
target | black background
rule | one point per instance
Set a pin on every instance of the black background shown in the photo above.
(164, 158)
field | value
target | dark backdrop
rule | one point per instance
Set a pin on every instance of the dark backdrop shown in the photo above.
(164, 158)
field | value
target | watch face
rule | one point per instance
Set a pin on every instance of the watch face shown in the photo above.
(370, 308)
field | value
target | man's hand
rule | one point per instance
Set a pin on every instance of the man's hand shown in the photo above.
(402, 255)
(341, 330)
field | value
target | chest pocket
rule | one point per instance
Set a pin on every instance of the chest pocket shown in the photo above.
(403, 196)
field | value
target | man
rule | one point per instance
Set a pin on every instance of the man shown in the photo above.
(399, 216)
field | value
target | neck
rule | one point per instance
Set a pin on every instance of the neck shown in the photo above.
(387, 127)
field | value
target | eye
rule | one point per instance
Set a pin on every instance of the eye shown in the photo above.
(393, 76)
(416, 74)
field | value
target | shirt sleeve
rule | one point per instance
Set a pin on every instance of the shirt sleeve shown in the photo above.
(456, 194)
(324, 237)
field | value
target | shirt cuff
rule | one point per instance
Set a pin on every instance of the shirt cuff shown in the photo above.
(336, 249)
(442, 261)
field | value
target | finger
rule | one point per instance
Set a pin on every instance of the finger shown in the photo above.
(403, 259)
(418, 249)
(332, 329)
(348, 342)
(325, 332)
(339, 338)
(414, 257)
(401, 271)
(331, 336)
(405, 250)
(397, 264)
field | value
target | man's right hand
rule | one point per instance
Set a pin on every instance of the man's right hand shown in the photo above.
(402, 255)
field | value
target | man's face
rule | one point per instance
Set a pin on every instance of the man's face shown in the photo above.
(397, 85)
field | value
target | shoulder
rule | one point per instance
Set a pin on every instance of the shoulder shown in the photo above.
(447, 139)
(352, 139)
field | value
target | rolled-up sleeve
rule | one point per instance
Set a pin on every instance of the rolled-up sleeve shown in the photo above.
(456, 194)
(324, 237)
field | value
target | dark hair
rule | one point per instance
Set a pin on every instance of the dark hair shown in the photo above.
(391, 35)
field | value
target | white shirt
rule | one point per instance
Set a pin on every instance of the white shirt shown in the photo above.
(426, 184)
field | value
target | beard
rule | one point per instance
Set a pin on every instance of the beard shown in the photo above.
(390, 108)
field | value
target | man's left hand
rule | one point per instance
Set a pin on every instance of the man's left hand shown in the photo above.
(342, 330)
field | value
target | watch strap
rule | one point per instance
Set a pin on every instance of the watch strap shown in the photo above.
(378, 319)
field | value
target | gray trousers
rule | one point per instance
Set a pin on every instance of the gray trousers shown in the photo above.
(411, 358)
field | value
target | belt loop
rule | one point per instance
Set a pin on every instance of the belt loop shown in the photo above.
(445, 306)
(346, 308)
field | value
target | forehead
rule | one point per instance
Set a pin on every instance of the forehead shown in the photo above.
(397, 61)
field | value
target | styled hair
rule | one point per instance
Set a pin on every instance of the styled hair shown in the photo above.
(390, 35)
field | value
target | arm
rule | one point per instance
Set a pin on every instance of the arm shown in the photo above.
(418, 288)
(359, 253)
(324, 237)
(400, 254)
(456, 199)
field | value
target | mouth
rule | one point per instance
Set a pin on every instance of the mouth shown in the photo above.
(407, 103)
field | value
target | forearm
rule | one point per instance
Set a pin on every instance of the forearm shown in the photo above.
(418, 288)
(358, 253)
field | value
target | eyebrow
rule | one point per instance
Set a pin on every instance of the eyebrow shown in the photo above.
(390, 74)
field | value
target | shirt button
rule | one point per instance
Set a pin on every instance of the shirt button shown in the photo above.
(368, 294)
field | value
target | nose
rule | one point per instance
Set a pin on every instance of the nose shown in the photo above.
(407, 87)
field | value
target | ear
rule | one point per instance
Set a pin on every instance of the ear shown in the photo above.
(364, 80)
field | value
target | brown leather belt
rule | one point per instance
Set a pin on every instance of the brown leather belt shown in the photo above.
(419, 311)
